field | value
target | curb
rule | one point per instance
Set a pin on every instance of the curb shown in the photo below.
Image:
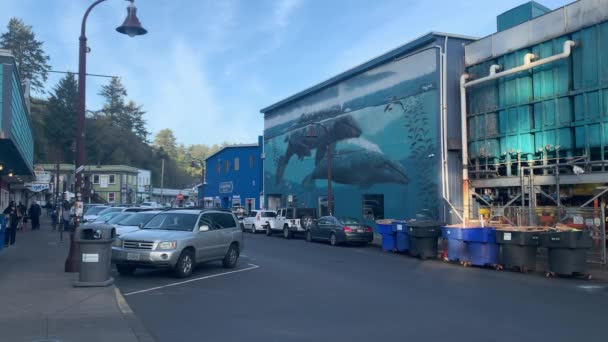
(140, 332)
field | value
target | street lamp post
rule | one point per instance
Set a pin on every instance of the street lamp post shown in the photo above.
(328, 156)
(131, 27)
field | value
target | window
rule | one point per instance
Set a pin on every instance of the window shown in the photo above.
(218, 167)
(172, 221)
(253, 213)
(95, 179)
(269, 214)
(111, 197)
(112, 179)
(236, 164)
(223, 220)
(227, 165)
(251, 159)
(373, 207)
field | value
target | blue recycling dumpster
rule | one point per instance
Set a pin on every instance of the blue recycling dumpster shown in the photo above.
(389, 242)
(457, 249)
(402, 241)
(384, 226)
(481, 245)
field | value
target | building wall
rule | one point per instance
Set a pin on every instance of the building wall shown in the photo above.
(563, 104)
(246, 182)
(383, 125)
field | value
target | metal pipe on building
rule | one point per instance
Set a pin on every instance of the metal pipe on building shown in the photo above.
(528, 64)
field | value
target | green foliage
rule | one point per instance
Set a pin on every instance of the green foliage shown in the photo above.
(31, 60)
(126, 115)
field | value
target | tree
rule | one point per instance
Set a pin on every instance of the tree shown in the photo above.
(165, 139)
(31, 60)
(114, 93)
(61, 115)
(136, 121)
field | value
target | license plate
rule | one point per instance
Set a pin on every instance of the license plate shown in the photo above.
(133, 256)
(361, 230)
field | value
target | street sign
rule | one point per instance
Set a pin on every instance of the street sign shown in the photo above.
(226, 187)
(80, 169)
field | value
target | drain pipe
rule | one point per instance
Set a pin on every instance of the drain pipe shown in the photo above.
(528, 64)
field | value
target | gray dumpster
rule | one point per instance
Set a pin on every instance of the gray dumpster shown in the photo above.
(95, 242)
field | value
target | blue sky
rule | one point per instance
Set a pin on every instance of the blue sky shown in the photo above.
(207, 67)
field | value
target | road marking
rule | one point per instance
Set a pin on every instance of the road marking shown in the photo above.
(191, 280)
(122, 303)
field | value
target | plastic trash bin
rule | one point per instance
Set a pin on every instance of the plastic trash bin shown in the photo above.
(402, 242)
(567, 251)
(95, 242)
(481, 246)
(518, 248)
(423, 237)
(384, 226)
(456, 248)
(389, 242)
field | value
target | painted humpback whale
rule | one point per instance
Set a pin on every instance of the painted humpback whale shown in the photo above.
(343, 127)
(363, 168)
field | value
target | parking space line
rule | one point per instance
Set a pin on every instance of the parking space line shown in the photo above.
(191, 280)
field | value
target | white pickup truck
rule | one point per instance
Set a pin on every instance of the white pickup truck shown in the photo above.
(260, 220)
(290, 221)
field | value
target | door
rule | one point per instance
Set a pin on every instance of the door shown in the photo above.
(325, 228)
(315, 230)
(226, 226)
(249, 221)
(281, 218)
(207, 241)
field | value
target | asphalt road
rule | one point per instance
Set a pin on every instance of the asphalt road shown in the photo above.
(292, 290)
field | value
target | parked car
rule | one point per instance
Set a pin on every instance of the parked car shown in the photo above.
(150, 205)
(93, 213)
(178, 240)
(121, 216)
(338, 230)
(259, 220)
(135, 222)
(292, 221)
(105, 217)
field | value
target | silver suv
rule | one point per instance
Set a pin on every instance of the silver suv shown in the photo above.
(178, 240)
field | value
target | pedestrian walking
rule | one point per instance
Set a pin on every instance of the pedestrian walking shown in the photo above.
(21, 214)
(65, 216)
(13, 222)
(35, 212)
(54, 216)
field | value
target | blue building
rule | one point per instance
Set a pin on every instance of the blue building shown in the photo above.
(394, 126)
(234, 177)
(16, 140)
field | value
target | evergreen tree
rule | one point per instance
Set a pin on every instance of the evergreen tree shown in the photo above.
(31, 60)
(114, 93)
(61, 116)
(136, 121)
(165, 139)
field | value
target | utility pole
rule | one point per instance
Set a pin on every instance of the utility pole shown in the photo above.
(162, 180)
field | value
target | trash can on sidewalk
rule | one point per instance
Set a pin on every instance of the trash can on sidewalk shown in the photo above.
(518, 247)
(95, 242)
(385, 228)
(567, 251)
(402, 241)
(423, 238)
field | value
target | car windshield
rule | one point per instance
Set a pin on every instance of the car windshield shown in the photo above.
(106, 217)
(118, 218)
(172, 221)
(111, 210)
(137, 219)
(349, 220)
(95, 210)
(269, 214)
(253, 213)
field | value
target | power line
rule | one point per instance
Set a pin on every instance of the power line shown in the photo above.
(69, 72)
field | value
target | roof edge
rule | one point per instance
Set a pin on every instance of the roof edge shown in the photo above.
(382, 58)
(230, 146)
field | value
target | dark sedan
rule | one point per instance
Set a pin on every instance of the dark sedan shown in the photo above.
(339, 230)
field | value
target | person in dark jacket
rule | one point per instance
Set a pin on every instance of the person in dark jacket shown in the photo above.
(35, 212)
(13, 222)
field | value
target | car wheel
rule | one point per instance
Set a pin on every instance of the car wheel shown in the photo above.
(268, 231)
(308, 236)
(306, 222)
(125, 270)
(185, 264)
(332, 240)
(232, 256)
(286, 233)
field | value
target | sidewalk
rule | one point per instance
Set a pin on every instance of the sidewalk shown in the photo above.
(39, 303)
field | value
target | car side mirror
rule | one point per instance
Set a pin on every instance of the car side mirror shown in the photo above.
(141, 226)
(315, 221)
(203, 228)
